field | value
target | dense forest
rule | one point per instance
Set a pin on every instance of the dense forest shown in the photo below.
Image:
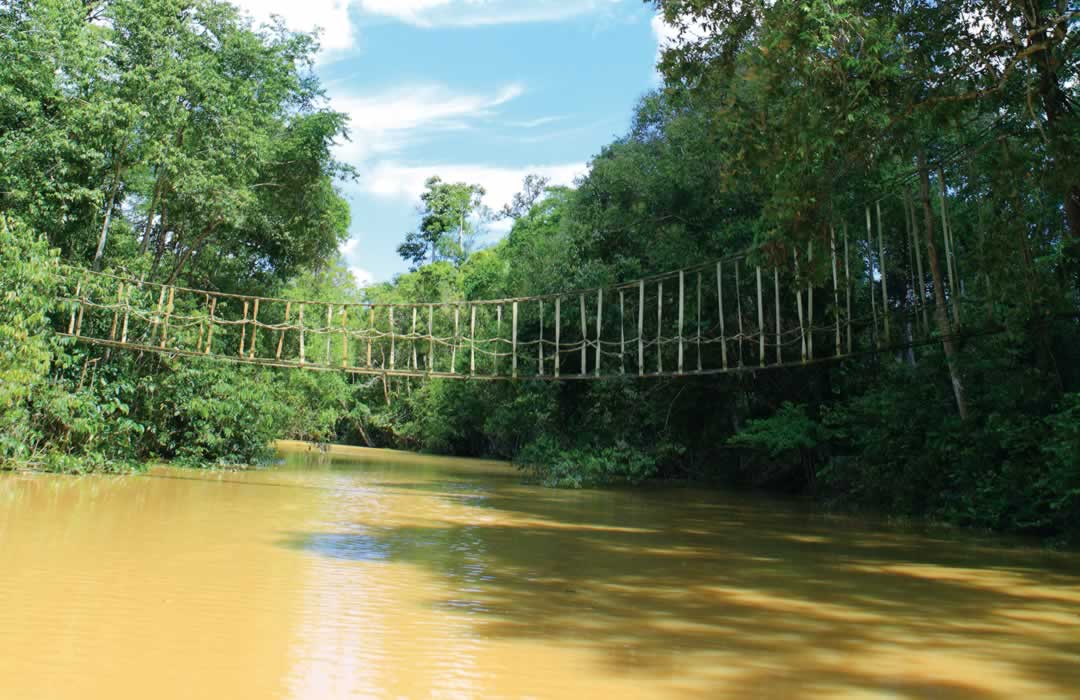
(175, 141)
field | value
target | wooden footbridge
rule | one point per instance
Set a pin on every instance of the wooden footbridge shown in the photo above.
(744, 313)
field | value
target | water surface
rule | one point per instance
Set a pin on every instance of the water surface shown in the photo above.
(387, 577)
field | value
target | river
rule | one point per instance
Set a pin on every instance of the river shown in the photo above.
(370, 575)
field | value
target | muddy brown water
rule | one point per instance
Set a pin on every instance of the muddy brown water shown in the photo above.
(384, 576)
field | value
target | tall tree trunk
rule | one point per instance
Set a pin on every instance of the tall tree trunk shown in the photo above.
(940, 312)
(100, 252)
(198, 244)
(150, 214)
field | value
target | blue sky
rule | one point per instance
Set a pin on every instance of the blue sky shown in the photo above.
(482, 91)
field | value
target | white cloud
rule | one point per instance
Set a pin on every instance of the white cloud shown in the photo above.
(386, 122)
(348, 247)
(390, 180)
(471, 13)
(363, 277)
(331, 16)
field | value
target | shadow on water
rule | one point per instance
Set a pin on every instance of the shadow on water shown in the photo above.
(772, 597)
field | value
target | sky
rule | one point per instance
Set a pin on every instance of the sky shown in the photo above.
(480, 91)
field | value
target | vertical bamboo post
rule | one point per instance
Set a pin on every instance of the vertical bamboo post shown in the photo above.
(513, 341)
(599, 327)
(870, 262)
(698, 342)
(779, 332)
(799, 303)
(210, 327)
(82, 310)
(884, 277)
(498, 336)
(303, 338)
(281, 335)
(682, 314)
(327, 333)
(540, 345)
(641, 329)
(155, 324)
(254, 329)
(584, 339)
(660, 327)
(370, 333)
(431, 338)
(558, 335)
(847, 289)
(720, 303)
(810, 300)
(393, 337)
(738, 305)
(243, 330)
(760, 320)
(622, 331)
(457, 338)
(415, 357)
(127, 314)
(75, 307)
(344, 336)
(169, 306)
(116, 311)
(472, 339)
(835, 288)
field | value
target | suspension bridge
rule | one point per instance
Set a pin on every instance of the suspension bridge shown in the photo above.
(743, 313)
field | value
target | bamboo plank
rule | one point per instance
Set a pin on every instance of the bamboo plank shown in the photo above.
(210, 327)
(558, 335)
(584, 339)
(243, 331)
(303, 347)
(281, 335)
(254, 330)
(514, 342)
(641, 329)
(761, 320)
(599, 328)
(682, 316)
(720, 303)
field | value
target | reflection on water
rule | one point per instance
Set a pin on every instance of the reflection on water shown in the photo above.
(358, 577)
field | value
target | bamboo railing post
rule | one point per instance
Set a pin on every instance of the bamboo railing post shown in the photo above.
(698, 342)
(116, 311)
(870, 262)
(779, 332)
(303, 347)
(472, 339)
(83, 300)
(329, 337)
(810, 300)
(344, 336)
(599, 328)
(884, 277)
(835, 287)
(738, 304)
(660, 327)
(921, 290)
(169, 307)
(498, 337)
(457, 338)
(155, 324)
(641, 329)
(761, 320)
(540, 345)
(370, 334)
(415, 356)
(254, 330)
(720, 303)
(281, 335)
(682, 314)
(799, 303)
(127, 315)
(75, 306)
(513, 342)
(243, 330)
(431, 338)
(584, 339)
(558, 335)
(210, 327)
(622, 332)
(393, 337)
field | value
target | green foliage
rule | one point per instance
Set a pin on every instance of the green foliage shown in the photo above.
(447, 228)
(549, 464)
(789, 432)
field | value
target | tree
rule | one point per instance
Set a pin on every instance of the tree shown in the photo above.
(533, 188)
(450, 220)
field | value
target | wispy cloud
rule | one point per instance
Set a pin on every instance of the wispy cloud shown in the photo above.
(534, 123)
(331, 16)
(391, 180)
(385, 123)
(471, 13)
